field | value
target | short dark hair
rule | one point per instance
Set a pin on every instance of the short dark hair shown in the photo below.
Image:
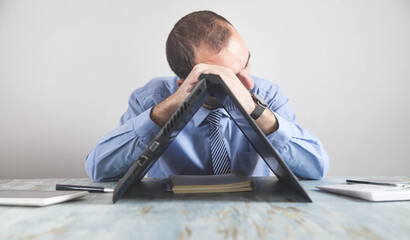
(197, 28)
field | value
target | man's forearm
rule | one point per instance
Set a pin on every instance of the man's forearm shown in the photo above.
(267, 122)
(162, 112)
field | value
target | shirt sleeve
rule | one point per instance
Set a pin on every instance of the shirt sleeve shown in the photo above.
(300, 149)
(118, 149)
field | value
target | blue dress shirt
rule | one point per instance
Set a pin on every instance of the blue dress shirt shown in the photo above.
(189, 152)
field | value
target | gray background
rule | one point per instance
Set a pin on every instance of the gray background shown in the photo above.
(67, 69)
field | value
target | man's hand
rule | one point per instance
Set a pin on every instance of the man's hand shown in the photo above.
(163, 111)
(267, 122)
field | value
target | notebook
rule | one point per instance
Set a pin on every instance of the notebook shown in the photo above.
(230, 182)
(209, 85)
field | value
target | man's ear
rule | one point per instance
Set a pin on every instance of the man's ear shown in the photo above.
(179, 82)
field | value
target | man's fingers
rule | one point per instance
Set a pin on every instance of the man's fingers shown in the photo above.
(201, 68)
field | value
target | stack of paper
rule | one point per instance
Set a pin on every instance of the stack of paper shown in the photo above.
(232, 182)
(370, 192)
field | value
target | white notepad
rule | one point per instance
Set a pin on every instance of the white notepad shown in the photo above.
(37, 198)
(369, 192)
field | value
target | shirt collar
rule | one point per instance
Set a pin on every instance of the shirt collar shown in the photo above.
(200, 116)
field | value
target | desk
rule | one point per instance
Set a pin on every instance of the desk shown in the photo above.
(212, 217)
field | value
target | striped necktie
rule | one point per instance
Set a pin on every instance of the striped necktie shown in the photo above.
(219, 155)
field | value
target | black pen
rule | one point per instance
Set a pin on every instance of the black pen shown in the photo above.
(84, 188)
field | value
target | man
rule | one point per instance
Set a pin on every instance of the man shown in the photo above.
(204, 42)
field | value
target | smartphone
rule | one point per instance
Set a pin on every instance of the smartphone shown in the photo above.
(387, 181)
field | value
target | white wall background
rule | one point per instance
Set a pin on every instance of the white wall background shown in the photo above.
(68, 67)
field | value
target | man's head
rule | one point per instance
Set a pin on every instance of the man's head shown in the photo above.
(198, 29)
(206, 37)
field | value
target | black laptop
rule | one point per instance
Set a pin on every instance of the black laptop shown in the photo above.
(208, 85)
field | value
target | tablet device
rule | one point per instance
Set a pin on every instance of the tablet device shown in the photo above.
(209, 85)
(37, 198)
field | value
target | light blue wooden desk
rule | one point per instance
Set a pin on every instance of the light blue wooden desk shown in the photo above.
(211, 217)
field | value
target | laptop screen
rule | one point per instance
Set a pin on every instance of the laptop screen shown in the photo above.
(209, 85)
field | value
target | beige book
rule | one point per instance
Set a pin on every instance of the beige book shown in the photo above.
(231, 182)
